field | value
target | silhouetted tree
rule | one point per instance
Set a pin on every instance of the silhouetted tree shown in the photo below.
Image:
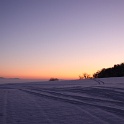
(84, 76)
(115, 71)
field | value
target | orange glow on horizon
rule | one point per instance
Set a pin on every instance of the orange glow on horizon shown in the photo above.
(61, 72)
(45, 75)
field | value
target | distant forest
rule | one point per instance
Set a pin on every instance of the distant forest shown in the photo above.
(115, 71)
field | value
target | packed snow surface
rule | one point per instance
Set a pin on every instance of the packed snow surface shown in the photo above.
(91, 101)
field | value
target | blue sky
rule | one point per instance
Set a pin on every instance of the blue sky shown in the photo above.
(60, 38)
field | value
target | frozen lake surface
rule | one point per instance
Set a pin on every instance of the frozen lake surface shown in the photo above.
(99, 101)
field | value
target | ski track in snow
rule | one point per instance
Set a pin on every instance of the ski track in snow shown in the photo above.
(3, 106)
(66, 102)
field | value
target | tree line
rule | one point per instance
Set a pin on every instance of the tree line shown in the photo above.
(115, 71)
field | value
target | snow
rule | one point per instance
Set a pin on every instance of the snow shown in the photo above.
(99, 101)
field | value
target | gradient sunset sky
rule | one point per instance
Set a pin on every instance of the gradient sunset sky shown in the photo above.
(60, 38)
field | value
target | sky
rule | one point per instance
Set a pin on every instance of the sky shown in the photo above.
(60, 38)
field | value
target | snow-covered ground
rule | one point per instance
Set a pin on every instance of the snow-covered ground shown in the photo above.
(99, 101)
